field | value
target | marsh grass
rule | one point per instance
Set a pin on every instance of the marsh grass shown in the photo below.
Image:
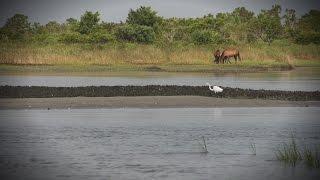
(311, 158)
(289, 153)
(277, 55)
(203, 145)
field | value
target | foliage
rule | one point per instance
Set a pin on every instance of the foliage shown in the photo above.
(89, 21)
(73, 37)
(16, 27)
(206, 37)
(144, 16)
(267, 26)
(100, 37)
(45, 38)
(136, 33)
(308, 28)
(143, 25)
(53, 27)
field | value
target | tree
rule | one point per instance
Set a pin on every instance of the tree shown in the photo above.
(290, 19)
(308, 28)
(205, 37)
(310, 21)
(143, 16)
(53, 27)
(71, 21)
(136, 33)
(16, 27)
(242, 14)
(89, 21)
(267, 26)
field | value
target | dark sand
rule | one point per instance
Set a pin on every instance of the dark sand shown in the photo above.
(144, 102)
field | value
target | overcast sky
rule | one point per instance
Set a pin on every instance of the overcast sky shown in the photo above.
(116, 10)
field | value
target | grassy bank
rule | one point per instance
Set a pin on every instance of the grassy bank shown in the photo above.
(57, 57)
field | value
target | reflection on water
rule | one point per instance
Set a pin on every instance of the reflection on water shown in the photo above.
(300, 79)
(153, 143)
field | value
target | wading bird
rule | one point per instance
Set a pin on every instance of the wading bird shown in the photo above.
(216, 89)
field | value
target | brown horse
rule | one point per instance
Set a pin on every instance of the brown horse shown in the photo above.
(217, 55)
(227, 53)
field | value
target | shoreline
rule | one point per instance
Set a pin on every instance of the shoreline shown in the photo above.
(171, 68)
(146, 102)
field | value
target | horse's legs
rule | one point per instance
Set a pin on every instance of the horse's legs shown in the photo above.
(239, 57)
(235, 58)
(222, 59)
(228, 59)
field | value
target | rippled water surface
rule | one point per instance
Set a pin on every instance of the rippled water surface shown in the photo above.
(153, 143)
(303, 79)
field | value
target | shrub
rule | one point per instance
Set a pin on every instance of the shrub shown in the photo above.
(45, 38)
(206, 37)
(307, 37)
(73, 38)
(136, 33)
(100, 37)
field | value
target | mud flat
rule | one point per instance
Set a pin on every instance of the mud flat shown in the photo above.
(153, 90)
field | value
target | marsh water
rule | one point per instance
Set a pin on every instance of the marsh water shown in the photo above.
(154, 143)
(300, 79)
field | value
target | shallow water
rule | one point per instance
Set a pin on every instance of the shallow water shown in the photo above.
(301, 79)
(153, 143)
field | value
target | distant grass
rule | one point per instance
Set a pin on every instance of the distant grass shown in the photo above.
(139, 57)
(289, 153)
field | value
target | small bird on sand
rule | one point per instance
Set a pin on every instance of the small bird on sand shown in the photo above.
(216, 89)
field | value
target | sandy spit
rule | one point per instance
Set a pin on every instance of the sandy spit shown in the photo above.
(145, 102)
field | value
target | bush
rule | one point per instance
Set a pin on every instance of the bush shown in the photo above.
(136, 33)
(206, 37)
(307, 37)
(99, 37)
(73, 38)
(45, 38)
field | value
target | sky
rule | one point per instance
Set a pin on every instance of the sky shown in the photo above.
(44, 11)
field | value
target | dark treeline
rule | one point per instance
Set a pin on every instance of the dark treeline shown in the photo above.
(152, 90)
(143, 25)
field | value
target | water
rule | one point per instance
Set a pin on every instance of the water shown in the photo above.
(153, 143)
(307, 79)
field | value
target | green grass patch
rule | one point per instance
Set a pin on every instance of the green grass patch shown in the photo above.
(290, 154)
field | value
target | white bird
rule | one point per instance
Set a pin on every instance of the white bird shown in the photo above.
(216, 89)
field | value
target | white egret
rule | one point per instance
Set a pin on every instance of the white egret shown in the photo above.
(216, 89)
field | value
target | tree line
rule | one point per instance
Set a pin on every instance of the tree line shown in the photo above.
(144, 25)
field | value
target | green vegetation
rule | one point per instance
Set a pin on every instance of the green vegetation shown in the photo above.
(148, 41)
(289, 153)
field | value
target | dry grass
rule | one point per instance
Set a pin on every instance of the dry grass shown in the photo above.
(135, 54)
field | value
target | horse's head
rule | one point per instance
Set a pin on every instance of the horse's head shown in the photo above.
(217, 55)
